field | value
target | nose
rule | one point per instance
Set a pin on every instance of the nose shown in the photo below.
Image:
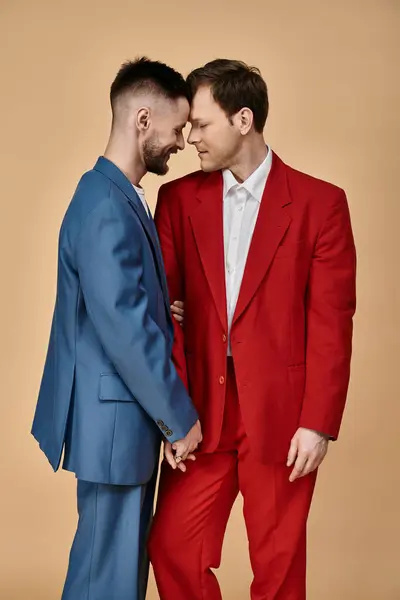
(181, 142)
(192, 137)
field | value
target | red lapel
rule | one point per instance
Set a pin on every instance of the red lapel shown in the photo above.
(208, 229)
(272, 223)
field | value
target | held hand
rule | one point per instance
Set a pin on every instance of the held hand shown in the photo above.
(170, 458)
(307, 451)
(178, 311)
(188, 444)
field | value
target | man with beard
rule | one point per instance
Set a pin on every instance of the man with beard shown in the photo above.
(109, 391)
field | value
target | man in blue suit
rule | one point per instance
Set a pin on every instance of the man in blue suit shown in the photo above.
(109, 391)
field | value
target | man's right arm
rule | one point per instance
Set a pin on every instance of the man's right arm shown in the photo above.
(110, 268)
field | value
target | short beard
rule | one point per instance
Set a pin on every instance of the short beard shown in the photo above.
(154, 157)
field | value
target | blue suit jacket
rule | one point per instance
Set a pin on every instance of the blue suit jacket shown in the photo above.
(109, 389)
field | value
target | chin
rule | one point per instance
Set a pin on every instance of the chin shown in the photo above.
(158, 169)
(208, 166)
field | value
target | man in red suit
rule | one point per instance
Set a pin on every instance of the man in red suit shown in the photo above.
(264, 259)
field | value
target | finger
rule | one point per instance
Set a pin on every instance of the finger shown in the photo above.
(182, 465)
(177, 317)
(185, 455)
(169, 456)
(316, 462)
(185, 447)
(181, 451)
(177, 310)
(298, 467)
(179, 304)
(292, 453)
(190, 450)
(308, 467)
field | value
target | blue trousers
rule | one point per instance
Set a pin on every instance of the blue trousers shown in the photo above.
(108, 559)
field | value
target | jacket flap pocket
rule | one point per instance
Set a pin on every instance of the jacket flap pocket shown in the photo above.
(113, 388)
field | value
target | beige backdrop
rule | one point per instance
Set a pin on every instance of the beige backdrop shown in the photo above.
(331, 72)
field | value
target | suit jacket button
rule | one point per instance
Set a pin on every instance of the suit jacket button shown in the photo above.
(224, 338)
(222, 380)
(168, 433)
(160, 423)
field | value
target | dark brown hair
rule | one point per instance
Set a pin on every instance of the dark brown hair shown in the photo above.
(151, 76)
(234, 85)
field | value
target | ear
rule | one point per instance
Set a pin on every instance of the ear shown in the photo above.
(244, 120)
(143, 119)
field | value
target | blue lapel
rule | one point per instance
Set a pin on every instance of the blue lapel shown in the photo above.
(110, 170)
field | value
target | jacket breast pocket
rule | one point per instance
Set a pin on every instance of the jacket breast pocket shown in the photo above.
(112, 388)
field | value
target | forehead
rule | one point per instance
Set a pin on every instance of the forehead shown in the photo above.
(204, 105)
(179, 110)
(172, 112)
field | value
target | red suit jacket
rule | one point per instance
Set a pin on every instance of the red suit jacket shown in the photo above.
(291, 335)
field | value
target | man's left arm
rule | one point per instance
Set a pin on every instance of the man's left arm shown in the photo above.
(331, 303)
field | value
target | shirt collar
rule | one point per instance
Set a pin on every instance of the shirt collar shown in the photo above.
(254, 184)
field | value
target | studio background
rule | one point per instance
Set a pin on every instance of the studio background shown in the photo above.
(335, 97)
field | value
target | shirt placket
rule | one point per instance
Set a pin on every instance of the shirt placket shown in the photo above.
(233, 247)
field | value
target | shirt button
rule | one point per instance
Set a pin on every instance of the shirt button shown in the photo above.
(240, 208)
(222, 380)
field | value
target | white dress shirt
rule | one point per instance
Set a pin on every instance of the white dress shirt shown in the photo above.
(140, 193)
(241, 205)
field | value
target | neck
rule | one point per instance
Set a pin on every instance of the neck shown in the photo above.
(251, 155)
(124, 153)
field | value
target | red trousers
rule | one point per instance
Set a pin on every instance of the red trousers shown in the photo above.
(193, 510)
